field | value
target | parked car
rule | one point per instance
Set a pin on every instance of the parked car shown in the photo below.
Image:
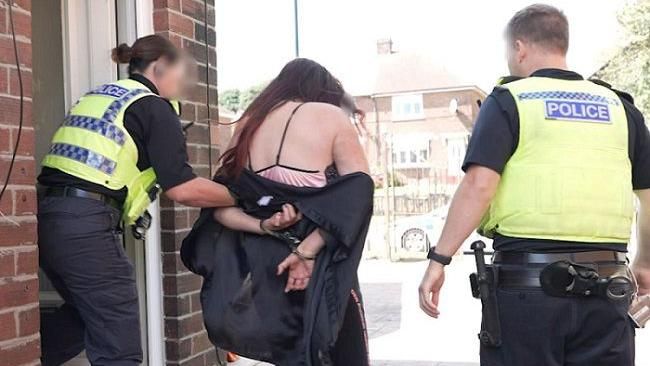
(415, 235)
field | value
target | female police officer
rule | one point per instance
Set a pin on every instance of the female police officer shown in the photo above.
(115, 146)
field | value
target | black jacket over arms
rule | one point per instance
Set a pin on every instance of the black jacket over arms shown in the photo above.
(244, 304)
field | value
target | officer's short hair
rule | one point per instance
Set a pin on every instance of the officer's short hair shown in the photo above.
(541, 24)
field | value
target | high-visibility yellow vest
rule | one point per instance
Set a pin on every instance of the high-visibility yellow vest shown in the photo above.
(570, 176)
(93, 144)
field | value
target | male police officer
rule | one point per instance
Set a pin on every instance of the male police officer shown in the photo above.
(550, 173)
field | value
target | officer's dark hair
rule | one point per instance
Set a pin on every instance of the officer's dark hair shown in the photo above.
(144, 51)
(541, 24)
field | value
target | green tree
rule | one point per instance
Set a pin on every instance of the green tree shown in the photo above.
(629, 69)
(230, 100)
(248, 95)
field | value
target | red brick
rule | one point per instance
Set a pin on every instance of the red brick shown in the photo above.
(10, 111)
(177, 218)
(194, 213)
(203, 172)
(25, 202)
(24, 4)
(202, 112)
(171, 241)
(21, 353)
(7, 203)
(199, 360)
(196, 50)
(12, 235)
(195, 302)
(177, 328)
(14, 86)
(201, 343)
(23, 171)
(27, 262)
(16, 293)
(7, 264)
(177, 305)
(160, 20)
(171, 4)
(172, 263)
(26, 146)
(198, 133)
(28, 322)
(194, 9)
(168, 21)
(178, 349)
(3, 18)
(22, 24)
(4, 77)
(198, 154)
(7, 55)
(181, 283)
(6, 144)
(7, 327)
(181, 25)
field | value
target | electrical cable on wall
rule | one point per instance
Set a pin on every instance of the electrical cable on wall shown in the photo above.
(22, 100)
(207, 80)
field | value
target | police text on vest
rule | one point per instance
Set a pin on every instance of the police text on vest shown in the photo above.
(581, 111)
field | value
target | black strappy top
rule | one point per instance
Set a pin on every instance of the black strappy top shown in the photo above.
(330, 171)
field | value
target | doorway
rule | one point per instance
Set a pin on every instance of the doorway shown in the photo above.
(71, 46)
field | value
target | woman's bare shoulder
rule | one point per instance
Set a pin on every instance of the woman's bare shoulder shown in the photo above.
(318, 113)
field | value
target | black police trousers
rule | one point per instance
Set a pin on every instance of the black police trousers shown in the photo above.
(82, 254)
(540, 330)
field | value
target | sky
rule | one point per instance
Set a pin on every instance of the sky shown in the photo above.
(255, 38)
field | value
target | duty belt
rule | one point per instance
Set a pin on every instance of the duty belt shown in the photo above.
(524, 269)
(67, 191)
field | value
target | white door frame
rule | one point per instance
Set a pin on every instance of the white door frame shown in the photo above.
(138, 22)
(93, 25)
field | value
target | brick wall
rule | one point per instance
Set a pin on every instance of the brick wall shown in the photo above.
(19, 322)
(186, 339)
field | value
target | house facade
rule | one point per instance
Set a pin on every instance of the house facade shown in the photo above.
(64, 50)
(418, 117)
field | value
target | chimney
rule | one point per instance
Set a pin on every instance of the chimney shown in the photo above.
(385, 46)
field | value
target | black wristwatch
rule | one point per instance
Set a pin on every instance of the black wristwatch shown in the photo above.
(442, 259)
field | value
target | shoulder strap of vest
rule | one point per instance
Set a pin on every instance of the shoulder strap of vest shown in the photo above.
(508, 79)
(621, 94)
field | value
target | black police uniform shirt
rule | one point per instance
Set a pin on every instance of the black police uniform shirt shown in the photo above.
(495, 138)
(156, 130)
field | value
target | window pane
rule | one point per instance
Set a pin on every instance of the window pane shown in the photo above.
(402, 156)
(414, 157)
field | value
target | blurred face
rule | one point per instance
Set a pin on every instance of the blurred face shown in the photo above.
(170, 78)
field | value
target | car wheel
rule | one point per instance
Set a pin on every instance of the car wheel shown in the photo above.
(415, 240)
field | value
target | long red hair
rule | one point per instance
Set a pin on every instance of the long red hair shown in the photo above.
(302, 80)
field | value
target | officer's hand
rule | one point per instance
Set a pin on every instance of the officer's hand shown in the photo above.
(430, 287)
(643, 279)
(283, 219)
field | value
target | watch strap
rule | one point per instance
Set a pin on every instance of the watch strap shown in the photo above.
(442, 259)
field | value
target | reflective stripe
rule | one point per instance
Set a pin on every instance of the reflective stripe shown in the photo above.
(566, 95)
(114, 108)
(102, 127)
(84, 156)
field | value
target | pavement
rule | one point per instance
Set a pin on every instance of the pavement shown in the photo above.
(401, 335)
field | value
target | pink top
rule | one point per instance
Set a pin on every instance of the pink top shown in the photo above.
(293, 177)
(289, 175)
